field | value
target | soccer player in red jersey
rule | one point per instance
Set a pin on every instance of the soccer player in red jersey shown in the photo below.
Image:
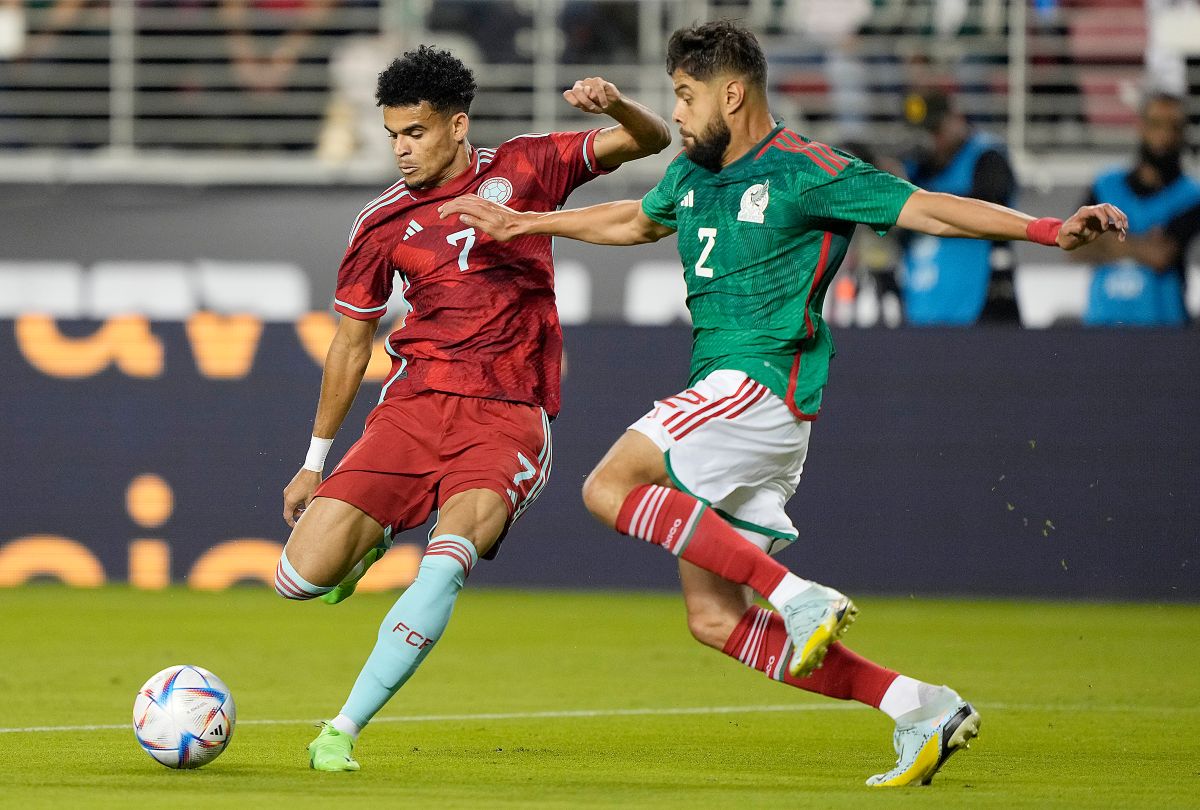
(463, 421)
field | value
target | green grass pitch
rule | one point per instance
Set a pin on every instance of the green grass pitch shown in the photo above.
(565, 700)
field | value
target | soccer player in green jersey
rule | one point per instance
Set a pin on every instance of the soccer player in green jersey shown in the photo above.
(764, 217)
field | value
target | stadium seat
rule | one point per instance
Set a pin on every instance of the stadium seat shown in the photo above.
(573, 289)
(1050, 293)
(275, 291)
(655, 294)
(46, 288)
(159, 290)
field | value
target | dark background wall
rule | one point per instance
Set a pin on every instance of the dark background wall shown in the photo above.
(1050, 463)
(306, 227)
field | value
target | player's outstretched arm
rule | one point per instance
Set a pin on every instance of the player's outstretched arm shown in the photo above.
(345, 365)
(640, 132)
(952, 216)
(611, 223)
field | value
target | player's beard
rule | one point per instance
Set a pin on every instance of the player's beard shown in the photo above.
(708, 148)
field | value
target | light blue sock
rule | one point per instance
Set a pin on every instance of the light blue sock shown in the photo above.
(290, 585)
(412, 626)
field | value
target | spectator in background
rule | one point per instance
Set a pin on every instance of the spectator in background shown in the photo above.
(1140, 282)
(40, 42)
(598, 32)
(492, 26)
(60, 16)
(956, 282)
(268, 38)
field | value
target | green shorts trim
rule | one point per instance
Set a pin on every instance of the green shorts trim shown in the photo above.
(733, 521)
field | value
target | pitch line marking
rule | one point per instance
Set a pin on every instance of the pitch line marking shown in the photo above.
(590, 713)
(548, 715)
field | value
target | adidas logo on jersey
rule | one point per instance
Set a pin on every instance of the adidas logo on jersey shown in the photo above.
(688, 199)
(413, 229)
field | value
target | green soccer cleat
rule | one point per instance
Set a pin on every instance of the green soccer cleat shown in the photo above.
(330, 751)
(814, 619)
(923, 746)
(345, 588)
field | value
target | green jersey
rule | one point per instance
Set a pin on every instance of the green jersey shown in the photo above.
(760, 242)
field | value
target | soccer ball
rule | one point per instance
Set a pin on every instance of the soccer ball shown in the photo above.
(184, 716)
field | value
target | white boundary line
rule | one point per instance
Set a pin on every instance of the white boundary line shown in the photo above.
(551, 715)
(660, 712)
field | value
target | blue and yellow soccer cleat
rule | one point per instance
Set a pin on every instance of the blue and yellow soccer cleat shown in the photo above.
(345, 588)
(814, 619)
(923, 746)
(331, 750)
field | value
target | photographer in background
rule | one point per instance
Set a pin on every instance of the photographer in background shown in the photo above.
(956, 282)
(1140, 282)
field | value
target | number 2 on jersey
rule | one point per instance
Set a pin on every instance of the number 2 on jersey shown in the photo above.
(467, 237)
(711, 235)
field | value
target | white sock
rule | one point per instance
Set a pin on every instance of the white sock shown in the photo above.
(345, 725)
(903, 696)
(787, 589)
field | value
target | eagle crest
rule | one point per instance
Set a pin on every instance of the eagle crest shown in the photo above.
(754, 202)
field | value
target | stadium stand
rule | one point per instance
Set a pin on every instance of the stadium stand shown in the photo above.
(118, 80)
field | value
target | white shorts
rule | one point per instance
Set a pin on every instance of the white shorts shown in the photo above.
(732, 443)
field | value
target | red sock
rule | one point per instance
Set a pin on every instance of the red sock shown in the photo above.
(760, 641)
(690, 530)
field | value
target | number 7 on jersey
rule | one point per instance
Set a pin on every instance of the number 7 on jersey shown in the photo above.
(711, 235)
(467, 237)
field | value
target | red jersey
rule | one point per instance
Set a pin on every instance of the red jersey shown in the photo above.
(481, 318)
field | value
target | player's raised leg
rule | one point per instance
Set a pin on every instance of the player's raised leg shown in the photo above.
(468, 524)
(349, 583)
(931, 721)
(324, 546)
(630, 491)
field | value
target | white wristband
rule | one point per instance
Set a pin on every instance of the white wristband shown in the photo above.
(317, 450)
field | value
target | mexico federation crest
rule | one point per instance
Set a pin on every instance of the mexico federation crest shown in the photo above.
(496, 189)
(754, 202)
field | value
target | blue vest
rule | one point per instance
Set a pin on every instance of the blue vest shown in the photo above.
(945, 281)
(1126, 292)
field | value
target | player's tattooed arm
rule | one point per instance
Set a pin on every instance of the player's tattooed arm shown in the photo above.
(345, 365)
(613, 223)
(951, 216)
(641, 131)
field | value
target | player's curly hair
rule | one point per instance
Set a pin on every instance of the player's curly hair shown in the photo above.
(427, 74)
(717, 47)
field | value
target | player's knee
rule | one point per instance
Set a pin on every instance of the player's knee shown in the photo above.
(603, 496)
(593, 494)
(710, 628)
(291, 581)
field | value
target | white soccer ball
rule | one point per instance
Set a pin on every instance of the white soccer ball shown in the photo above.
(184, 716)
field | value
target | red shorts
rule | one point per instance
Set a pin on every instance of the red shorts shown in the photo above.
(417, 452)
